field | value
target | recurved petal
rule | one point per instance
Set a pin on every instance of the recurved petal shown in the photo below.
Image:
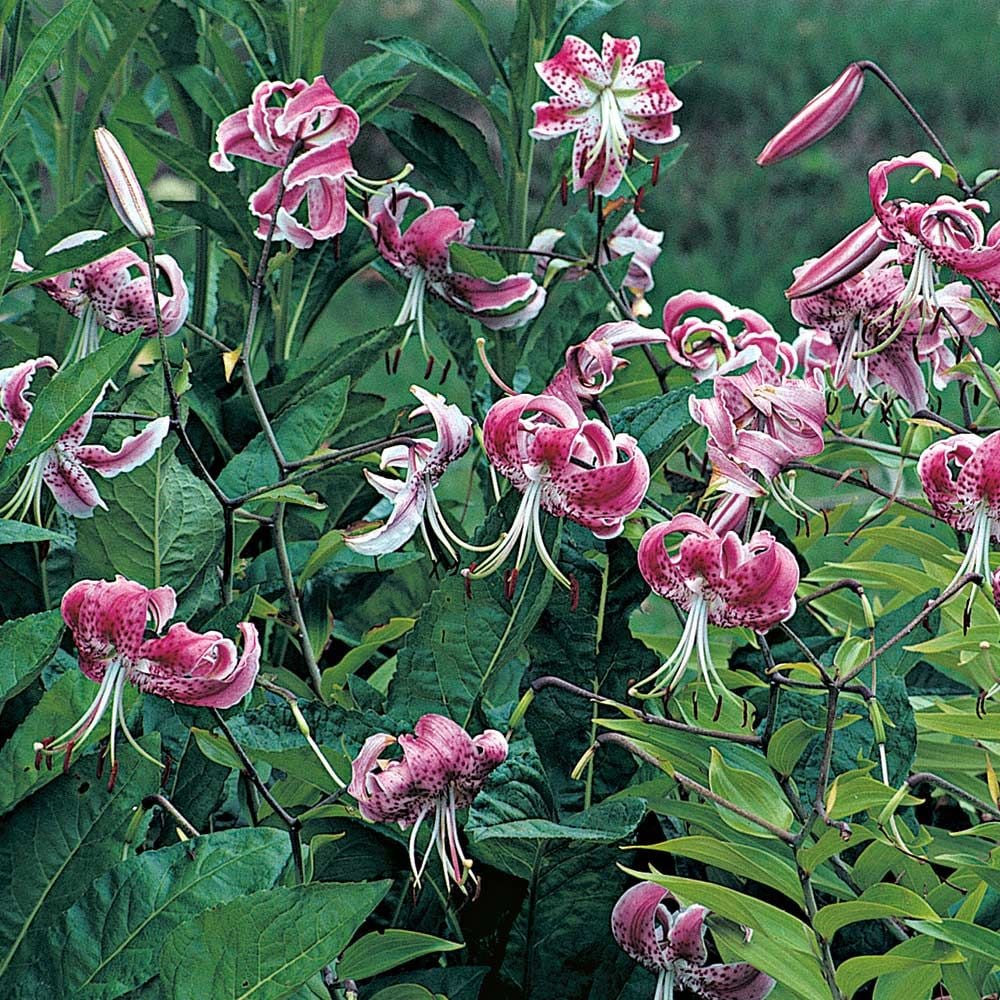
(438, 751)
(498, 305)
(15, 408)
(556, 117)
(134, 451)
(979, 479)
(686, 937)
(316, 115)
(878, 176)
(407, 513)
(454, 430)
(571, 68)
(72, 488)
(173, 307)
(940, 486)
(758, 582)
(595, 161)
(634, 924)
(235, 138)
(736, 981)
(363, 767)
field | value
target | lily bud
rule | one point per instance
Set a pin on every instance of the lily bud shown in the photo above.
(851, 255)
(123, 187)
(823, 113)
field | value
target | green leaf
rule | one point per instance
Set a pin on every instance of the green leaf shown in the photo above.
(44, 49)
(750, 791)
(336, 676)
(15, 532)
(679, 70)
(970, 939)
(381, 951)
(245, 17)
(267, 944)
(884, 899)
(108, 942)
(10, 231)
(425, 57)
(855, 972)
(464, 649)
(404, 991)
(69, 394)
(766, 867)
(76, 829)
(661, 423)
(26, 646)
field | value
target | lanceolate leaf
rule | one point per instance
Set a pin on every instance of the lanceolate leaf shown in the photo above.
(381, 951)
(425, 57)
(26, 646)
(55, 844)
(10, 231)
(265, 945)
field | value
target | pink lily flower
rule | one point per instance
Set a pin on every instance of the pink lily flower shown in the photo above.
(758, 423)
(63, 467)
(308, 139)
(821, 115)
(113, 293)
(672, 944)
(609, 100)
(706, 345)
(859, 317)
(630, 236)
(442, 770)
(414, 504)
(717, 579)
(108, 621)
(961, 479)
(591, 365)
(421, 254)
(563, 465)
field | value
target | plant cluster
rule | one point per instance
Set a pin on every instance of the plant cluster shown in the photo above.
(647, 655)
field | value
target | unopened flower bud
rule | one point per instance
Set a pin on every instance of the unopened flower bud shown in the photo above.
(851, 255)
(823, 113)
(123, 187)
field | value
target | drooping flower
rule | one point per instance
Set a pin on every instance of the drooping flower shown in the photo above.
(308, 138)
(671, 943)
(113, 293)
(563, 465)
(442, 770)
(961, 479)
(422, 254)
(414, 504)
(821, 115)
(609, 100)
(868, 342)
(717, 579)
(62, 468)
(758, 423)
(704, 346)
(108, 621)
(630, 236)
(591, 365)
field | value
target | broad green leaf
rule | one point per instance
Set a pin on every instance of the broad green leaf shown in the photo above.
(855, 972)
(60, 706)
(381, 951)
(44, 49)
(661, 423)
(10, 231)
(371, 641)
(426, 58)
(967, 724)
(75, 829)
(110, 940)
(69, 394)
(767, 867)
(15, 532)
(751, 792)
(857, 791)
(970, 939)
(26, 646)
(267, 944)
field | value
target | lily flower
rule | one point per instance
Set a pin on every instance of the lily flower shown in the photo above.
(609, 100)
(563, 465)
(758, 423)
(108, 621)
(422, 254)
(591, 365)
(62, 468)
(308, 137)
(821, 115)
(961, 479)
(704, 346)
(112, 293)
(630, 236)
(851, 330)
(717, 579)
(414, 504)
(442, 770)
(671, 943)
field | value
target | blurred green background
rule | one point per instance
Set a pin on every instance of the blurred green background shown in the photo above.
(732, 227)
